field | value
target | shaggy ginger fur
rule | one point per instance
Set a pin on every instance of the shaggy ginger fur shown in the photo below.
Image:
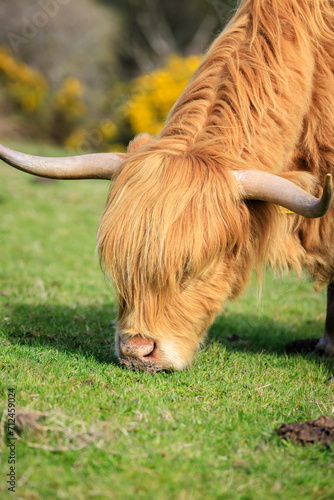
(175, 236)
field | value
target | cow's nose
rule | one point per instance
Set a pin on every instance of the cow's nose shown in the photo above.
(136, 347)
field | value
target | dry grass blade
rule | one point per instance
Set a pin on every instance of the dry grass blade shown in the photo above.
(50, 431)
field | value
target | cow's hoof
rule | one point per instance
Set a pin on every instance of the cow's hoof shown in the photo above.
(303, 346)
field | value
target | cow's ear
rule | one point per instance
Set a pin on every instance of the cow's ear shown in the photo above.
(138, 142)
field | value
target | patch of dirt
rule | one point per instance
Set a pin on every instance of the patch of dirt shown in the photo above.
(138, 365)
(312, 431)
(301, 346)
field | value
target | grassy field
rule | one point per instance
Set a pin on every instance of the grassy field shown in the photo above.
(96, 431)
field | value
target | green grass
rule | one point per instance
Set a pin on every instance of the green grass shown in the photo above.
(204, 433)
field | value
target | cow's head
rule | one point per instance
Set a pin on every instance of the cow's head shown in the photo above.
(175, 237)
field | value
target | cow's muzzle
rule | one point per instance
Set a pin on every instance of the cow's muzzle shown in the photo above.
(139, 353)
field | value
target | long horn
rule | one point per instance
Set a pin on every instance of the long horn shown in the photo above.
(262, 186)
(92, 166)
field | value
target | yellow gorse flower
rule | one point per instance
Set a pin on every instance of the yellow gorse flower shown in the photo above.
(76, 139)
(154, 94)
(92, 137)
(68, 100)
(108, 129)
(25, 85)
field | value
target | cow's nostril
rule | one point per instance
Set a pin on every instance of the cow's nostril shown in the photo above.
(151, 354)
(136, 347)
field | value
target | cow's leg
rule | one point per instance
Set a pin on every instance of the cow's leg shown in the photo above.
(326, 343)
(314, 346)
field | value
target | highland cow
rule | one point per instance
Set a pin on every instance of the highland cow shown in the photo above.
(193, 210)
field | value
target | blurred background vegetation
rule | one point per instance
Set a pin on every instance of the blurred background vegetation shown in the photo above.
(89, 74)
